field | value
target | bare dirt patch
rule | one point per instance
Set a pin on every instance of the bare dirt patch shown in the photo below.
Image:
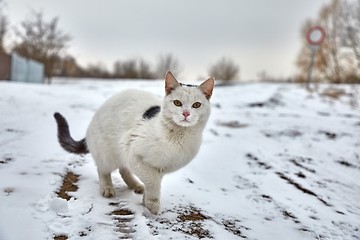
(291, 133)
(329, 135)
(347, 164)
(191, 219)
(289, 215)
(191, 214)
(301, 188)
(60, 237)
(234, 226)
(12, 130)
(6, 159)
(298, 162)
(272, 102)
(122, 218)
(85, 232)
(9, 190)
(122, 212)
(232, 124)
(260, 163)
(68, 185)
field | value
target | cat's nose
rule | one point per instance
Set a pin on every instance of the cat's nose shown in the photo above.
(186, 114)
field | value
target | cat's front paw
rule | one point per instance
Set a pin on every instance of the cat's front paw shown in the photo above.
(153, 205)
(108, 192)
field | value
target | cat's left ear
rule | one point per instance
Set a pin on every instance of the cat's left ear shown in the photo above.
(207, 87)
(170, 82)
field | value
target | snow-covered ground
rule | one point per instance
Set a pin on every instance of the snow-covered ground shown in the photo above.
(276, 162)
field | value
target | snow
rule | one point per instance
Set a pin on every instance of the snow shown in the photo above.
(277, 162)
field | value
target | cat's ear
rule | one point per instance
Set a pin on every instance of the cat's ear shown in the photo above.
(170, 82)
(207, 87)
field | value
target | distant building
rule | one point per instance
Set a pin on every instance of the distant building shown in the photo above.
(5, 66)
(18, 69)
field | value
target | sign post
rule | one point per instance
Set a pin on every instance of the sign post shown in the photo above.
(314, 36)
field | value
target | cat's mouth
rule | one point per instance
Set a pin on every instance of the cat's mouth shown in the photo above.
(185, 123)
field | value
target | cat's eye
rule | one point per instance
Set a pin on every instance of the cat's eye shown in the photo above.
(177, 103)
(196, 105)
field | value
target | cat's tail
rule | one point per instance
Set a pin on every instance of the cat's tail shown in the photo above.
(65, 139)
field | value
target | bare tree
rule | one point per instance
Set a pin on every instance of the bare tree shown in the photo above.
(42, 41)
(133, 69)
(331, 17)
(3, 26)
(144, 70)
(68, 67)
(129, 69)
(352, 29)
(117, 69)
(337, 56)
(97, 70)
(224, 69)
(165, 63)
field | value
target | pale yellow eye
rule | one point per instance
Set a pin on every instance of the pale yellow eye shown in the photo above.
(196, 105)
(177, 103)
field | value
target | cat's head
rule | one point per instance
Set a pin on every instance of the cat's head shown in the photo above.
(187, 105)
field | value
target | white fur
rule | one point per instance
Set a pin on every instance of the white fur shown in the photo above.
(119, 137)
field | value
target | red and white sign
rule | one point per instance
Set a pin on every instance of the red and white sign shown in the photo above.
(315, 35)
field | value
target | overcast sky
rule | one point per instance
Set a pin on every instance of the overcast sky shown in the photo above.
(258, 34)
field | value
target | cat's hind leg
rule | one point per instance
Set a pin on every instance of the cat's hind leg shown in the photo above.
(131, 180)
(106, 185)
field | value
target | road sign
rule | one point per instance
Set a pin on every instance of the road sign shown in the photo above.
(314, 36)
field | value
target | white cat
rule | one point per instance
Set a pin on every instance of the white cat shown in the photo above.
(144, 137)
